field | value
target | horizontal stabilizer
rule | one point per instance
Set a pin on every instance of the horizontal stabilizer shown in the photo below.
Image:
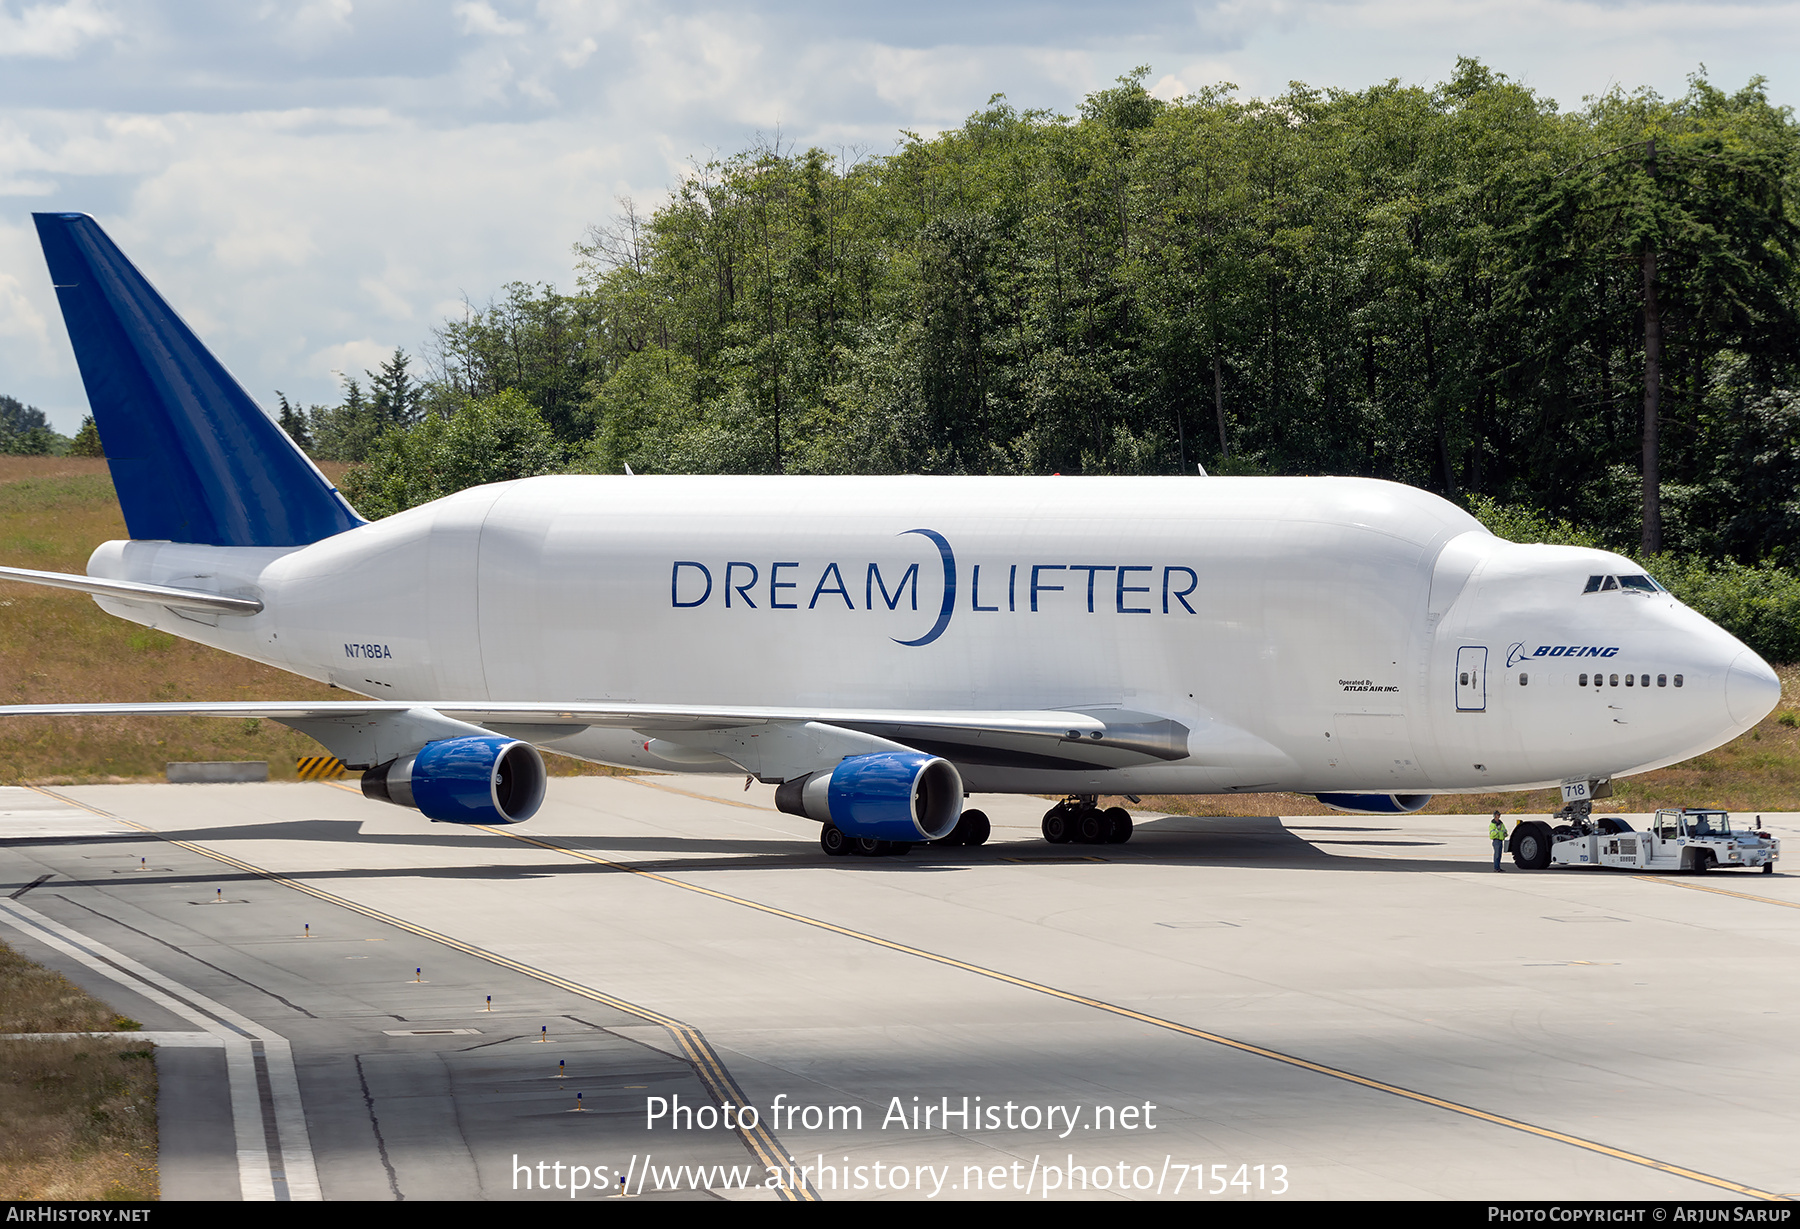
(132, 591)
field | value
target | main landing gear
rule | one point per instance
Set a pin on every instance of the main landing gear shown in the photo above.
(1078, 819)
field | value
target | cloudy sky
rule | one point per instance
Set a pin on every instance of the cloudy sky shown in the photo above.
(314, 182)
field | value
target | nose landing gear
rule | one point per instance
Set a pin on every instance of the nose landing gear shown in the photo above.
(1080, 820)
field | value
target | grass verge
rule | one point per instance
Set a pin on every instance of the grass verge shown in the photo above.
(77, 1115)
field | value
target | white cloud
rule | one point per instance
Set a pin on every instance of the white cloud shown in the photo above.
(391, 302)
(1169, 87)
(26, 306)
(315, 23)
(351, 359)
(56, 31)
(580, 53)
(479, 17)
(19, 317)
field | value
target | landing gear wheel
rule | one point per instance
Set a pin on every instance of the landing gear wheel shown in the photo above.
(1092, 827)
(974, 828)
(1119, 830)
(1531, 846)
(868, 847)
(833, 841)
(1057, 826)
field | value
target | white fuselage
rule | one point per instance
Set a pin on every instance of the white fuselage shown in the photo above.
(1314, 635)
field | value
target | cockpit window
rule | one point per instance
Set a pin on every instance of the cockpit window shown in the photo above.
(1635, 584)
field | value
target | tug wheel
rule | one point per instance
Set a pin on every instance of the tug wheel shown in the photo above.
(1531, 847)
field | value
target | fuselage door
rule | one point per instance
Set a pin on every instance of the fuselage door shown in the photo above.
(1471, 679)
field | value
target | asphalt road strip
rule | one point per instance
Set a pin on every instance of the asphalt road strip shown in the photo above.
(692, 1044)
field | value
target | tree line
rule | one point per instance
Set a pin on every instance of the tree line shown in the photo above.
(1583, 317)
(26, 432)
(1590, 313)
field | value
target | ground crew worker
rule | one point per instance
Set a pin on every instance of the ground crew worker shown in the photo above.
(1497, 834)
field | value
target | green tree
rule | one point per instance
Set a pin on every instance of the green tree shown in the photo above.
(1684, 212)
(87, 440)
(293, 420)
(491, 439)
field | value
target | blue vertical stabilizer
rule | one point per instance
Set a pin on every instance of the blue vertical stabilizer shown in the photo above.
(192, 456)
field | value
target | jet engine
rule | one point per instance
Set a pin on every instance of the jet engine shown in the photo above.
(886, 796)
(474, 780)
(1375, 804)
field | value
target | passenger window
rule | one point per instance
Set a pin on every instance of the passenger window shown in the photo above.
(1524, 679)
(1677, 680)
(1662, 680)
(1584, 680)
(1630, 679)
(1462, 679)
(1643, 680)
(1615, 680)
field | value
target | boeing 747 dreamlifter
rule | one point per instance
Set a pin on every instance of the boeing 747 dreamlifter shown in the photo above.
(880, 647)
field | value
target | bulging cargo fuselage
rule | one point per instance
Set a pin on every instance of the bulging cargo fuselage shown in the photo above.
(1305, 634)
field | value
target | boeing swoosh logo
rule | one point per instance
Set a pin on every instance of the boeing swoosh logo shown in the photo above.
(943, 619)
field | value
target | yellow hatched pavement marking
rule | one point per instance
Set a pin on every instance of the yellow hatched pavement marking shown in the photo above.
(318, 767)
(1158, 1022)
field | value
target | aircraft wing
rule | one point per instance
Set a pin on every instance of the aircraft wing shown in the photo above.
(368, 732)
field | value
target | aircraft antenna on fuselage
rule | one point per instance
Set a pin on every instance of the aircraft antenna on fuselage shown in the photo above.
(193, 458)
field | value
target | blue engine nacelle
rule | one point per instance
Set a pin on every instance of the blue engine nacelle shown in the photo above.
(474, 780)
(887, 795)
(1375, 804)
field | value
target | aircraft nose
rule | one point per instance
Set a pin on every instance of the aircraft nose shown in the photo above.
(1751, 689)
